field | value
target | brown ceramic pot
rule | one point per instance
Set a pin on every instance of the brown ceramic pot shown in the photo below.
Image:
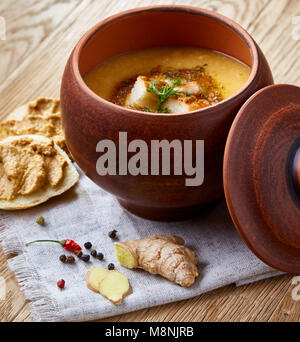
(87, 118)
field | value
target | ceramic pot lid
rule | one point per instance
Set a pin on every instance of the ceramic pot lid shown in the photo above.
(262, 175)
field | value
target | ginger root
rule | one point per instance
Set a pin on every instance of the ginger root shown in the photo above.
(94, 276)
(165, 255)
(113, 285)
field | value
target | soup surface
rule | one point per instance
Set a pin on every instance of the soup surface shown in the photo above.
(168, 79)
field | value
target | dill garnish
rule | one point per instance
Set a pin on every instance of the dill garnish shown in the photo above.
(163, 93)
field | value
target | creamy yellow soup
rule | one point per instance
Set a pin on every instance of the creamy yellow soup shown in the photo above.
(149, 72)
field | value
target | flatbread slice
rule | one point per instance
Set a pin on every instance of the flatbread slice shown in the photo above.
(41, 116)
(71, 177)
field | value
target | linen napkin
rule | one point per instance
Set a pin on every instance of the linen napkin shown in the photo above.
(86, 213)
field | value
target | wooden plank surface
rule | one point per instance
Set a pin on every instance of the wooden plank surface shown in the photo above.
(39, 38)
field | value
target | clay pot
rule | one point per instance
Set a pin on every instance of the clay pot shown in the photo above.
(87, 118)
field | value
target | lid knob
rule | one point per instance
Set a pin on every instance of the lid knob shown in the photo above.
(296, 169)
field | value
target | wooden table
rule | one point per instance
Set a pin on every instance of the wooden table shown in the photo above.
(40, 36)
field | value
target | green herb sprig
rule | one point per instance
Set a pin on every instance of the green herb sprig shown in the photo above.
(163, 93)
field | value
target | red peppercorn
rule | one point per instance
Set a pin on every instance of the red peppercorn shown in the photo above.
(61, 284)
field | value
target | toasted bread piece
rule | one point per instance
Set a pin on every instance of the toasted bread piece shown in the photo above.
(139, 95)
(188, 87)
(70, 178)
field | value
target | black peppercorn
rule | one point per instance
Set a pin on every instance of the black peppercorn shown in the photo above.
(63, 258)
(85, 258)
(70, 259)
(87, 245)
(94, 253)
(100, 256)
(111, 267)
(112, 234)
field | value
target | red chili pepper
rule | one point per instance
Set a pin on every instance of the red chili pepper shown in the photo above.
(67, 244)
(71, 245)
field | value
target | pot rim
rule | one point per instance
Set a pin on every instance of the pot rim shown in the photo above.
(75, 56)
